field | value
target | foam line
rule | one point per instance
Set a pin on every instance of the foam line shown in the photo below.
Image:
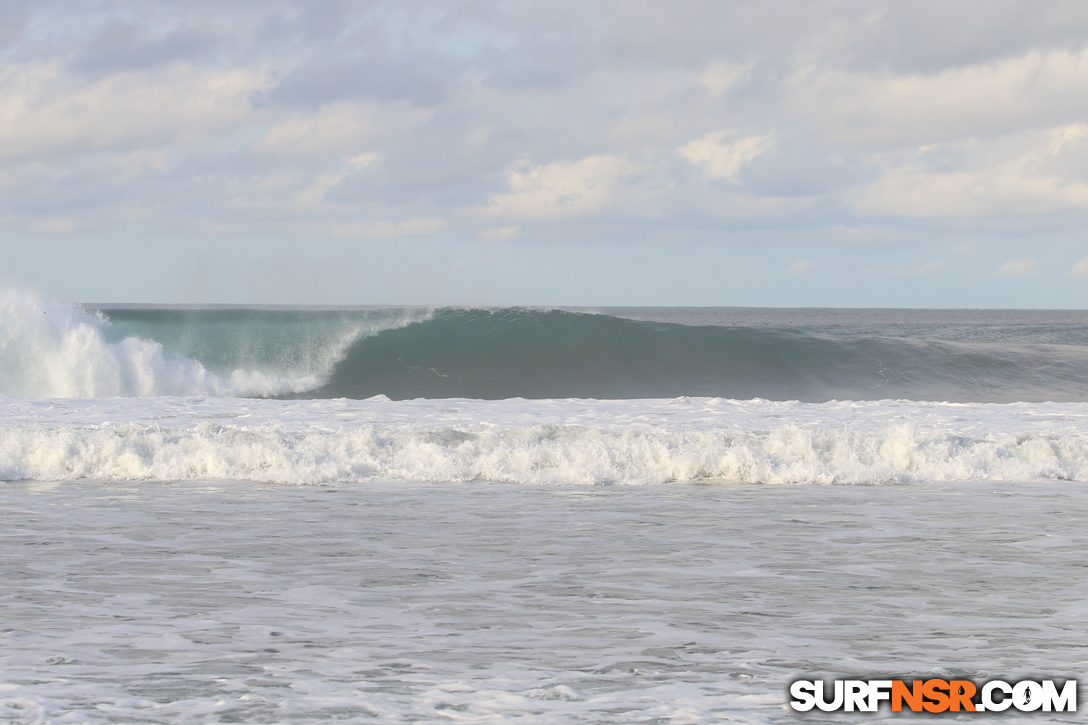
(558, 442)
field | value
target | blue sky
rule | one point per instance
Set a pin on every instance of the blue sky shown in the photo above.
(817, 153)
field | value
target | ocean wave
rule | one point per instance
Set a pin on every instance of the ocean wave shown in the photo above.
(571, 442)
(515, 352)
(54, 350)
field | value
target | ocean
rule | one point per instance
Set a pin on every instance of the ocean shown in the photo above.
(612, 515)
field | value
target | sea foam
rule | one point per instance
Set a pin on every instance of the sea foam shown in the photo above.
(553, 442)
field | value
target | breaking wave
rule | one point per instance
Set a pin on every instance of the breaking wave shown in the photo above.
(55, 351)
(571, 442)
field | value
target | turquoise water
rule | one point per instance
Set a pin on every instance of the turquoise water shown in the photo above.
(809, 355)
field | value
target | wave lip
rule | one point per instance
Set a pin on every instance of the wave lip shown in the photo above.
(554, 442)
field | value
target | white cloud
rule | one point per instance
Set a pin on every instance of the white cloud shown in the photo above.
(1080, 269)
(1004, 191)
(361, 161)
(560, 190)
(1033, 89)
(721, 160)
(297, 191)
(799, 267)
(314, 194)
(381, 229)
(1018, 267)
(720, 77)
(53, 226)
(341, 129)
(837, 116)
(1025, 174)
(500, 233)
(44, 110)
(921, 270)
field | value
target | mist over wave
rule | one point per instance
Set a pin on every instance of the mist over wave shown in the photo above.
(54, 350)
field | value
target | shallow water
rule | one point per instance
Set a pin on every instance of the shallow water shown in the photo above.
(483, 602)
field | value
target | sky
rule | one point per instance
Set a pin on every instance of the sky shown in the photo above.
(852, 153)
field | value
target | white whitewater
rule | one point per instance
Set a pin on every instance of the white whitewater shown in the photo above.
(54, 350)
(541, 442)
(483, 603)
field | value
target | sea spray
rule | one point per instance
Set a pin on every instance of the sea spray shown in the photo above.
(54, 350)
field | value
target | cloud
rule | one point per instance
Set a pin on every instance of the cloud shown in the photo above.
(500, 233)
(1004, 191)
(858, 108)
(720, 77)
(53, 226)
(721, 160)
(799, 267)
(381, 229)
(928, 268)
(608, 117)
(560, 190)
(125, 46)
(1080, 269)
(45, 112)
(418, 77)
(925, 37)
(1027, 265)
(1022, 174)
(314, 194)
(339, 130)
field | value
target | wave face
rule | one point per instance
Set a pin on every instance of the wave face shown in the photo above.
(507, 353)
(58, 351)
